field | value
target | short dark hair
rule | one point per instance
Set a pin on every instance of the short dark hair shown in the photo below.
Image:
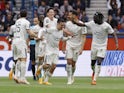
(41, 18)
(23, 13)
(51, 8)
(60, 20)
(98, 18)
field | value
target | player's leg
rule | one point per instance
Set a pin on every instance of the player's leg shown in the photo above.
(17, 70)
(39, 70)
(69, 57)
(69, 70)
(97, 70)
(75, 57)
(12, 70)
(53, 65)
(47, 67)
(93, 60)
(22, 57)
(100, 58)
(17, 65)
(32, 58)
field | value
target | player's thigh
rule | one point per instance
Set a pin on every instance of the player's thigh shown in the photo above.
(41, 51)
(14, 52)
(32, 52)
(69, 52)
(55, 58)
(101, 53)
(22, 50)
(94, 53)
(48, 59)
(76, 53)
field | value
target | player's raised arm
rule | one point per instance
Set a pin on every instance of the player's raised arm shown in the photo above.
(78, 23)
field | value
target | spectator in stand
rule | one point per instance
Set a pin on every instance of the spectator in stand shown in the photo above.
(8, 8)
(65, 7)
(88, 3)
(122, 19)
(79, 11)
(122, 27)
(1, 28)
(112, 22)
(2, 5)
(8, 20)
(84, 18)
(35, 9)
(60, 2)
(114, 7)
(65, 16)
(79, 4)
(42, 8)
(58, 13)
(122, 8)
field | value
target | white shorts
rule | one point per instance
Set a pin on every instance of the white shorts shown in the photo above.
(72, 53)
(19, 49)
(41, 50)
(51, 59)
(97, 52)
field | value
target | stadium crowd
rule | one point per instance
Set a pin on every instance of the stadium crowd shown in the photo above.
(61, 7)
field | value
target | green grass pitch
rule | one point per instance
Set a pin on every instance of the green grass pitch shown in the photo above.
(81, 85)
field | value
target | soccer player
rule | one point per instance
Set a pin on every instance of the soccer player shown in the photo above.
(10, 39)
(54, 35)
(20, 46)
(41, 43)
(75, 45)
(100, 31)
(50, 21)
(32, 47)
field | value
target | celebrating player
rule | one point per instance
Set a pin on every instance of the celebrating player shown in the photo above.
(20, 46)
(75, 45)
(100, 31)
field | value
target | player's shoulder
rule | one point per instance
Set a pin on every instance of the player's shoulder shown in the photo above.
(90, 23)
(106, 24)
(13, 26)
(23, 20)
(46, 19)
(55, 19)
(68, 22)
(43, 29)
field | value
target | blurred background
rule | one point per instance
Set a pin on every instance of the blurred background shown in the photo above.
(113, 11)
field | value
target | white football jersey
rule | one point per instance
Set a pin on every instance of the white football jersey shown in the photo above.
(53, 38)
(41, 33)
(50, 23)
(100, 33)
(12, 29)
(36, 29)
(21, 26)
(76, 40)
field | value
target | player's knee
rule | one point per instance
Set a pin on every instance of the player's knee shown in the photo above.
(73, 64)
(99, 61)
(69, 61)
(93, 62)
(46, 66)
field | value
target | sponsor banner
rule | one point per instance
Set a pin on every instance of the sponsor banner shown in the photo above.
(4, 45)
(113, 65)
